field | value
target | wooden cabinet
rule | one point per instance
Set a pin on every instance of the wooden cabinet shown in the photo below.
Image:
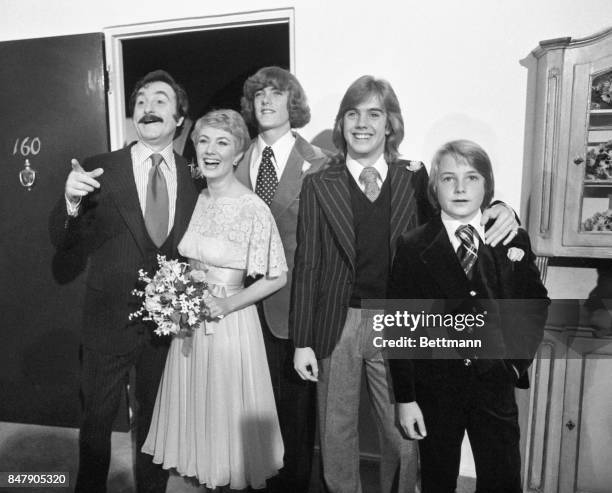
(567, 175)
(569, 428)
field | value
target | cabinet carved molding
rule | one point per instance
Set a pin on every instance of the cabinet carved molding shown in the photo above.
(550, 154)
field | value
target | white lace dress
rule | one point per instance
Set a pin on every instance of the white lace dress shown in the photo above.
(215, 417)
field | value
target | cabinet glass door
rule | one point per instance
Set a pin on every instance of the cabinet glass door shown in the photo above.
(588, 213)
(597, 192)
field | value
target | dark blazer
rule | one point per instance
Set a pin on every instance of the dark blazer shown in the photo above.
(325, 258)
(426, 267)
(304, 159)
(110, 236)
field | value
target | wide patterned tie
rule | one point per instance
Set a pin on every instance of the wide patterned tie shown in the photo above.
(156, 208)
(369, 177)
(467, 252)
(267, 181)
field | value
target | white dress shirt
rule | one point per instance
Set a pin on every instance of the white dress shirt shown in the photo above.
(281, 149)
(451, 226)
(141, 165)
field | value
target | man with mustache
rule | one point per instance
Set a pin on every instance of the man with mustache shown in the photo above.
(120, 211)
(274, 167)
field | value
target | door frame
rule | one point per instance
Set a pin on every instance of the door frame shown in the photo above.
(115, 35)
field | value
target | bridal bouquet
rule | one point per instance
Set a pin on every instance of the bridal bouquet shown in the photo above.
(174, 298)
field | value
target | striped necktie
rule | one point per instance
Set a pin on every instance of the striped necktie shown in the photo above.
(467, 252)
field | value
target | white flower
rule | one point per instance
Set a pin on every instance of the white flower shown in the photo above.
(414, 165)
(515, 254)
(170, 309)
(152, 304)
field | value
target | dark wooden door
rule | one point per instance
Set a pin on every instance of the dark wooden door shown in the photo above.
(53, 108)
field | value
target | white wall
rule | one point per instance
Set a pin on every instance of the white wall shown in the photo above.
(455, 65)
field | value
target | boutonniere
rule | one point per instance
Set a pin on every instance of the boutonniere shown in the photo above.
(194, 170)
(414, 165)
(515, 254)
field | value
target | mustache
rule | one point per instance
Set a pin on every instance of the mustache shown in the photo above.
(149, 118)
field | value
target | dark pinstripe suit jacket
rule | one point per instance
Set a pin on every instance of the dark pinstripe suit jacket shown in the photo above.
(325, 259)
(110, 235)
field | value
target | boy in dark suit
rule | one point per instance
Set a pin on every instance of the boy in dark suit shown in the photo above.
(446, 259)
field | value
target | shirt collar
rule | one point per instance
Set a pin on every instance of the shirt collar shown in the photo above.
(355, 167)
(281, 149)
(451, 226)
(141, 153)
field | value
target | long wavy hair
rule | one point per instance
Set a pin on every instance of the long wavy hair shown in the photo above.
(361, 90)
(283, 80)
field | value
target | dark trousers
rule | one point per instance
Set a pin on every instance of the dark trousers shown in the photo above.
(484, 405)
(103, 379)
(295, 404)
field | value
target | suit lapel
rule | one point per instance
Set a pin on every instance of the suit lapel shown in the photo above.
(504, 270)
(335, 198)
(403, 208)
(290, 182)
(184, 202)
(442, 262)
(122, 187)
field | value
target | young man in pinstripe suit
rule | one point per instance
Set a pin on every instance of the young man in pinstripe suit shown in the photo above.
(351, 214)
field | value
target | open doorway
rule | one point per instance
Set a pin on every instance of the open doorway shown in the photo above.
(211, 57)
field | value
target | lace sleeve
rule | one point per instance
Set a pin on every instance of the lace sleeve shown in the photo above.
(265, 252)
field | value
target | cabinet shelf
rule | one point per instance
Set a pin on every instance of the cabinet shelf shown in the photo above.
(598, 183)
(600, 128)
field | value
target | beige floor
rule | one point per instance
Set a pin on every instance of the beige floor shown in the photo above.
(36, 448)
(52, 449)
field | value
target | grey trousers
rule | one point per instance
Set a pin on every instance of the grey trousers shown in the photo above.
(338, 392)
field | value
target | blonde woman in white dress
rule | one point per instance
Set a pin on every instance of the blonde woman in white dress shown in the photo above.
(215, 417)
